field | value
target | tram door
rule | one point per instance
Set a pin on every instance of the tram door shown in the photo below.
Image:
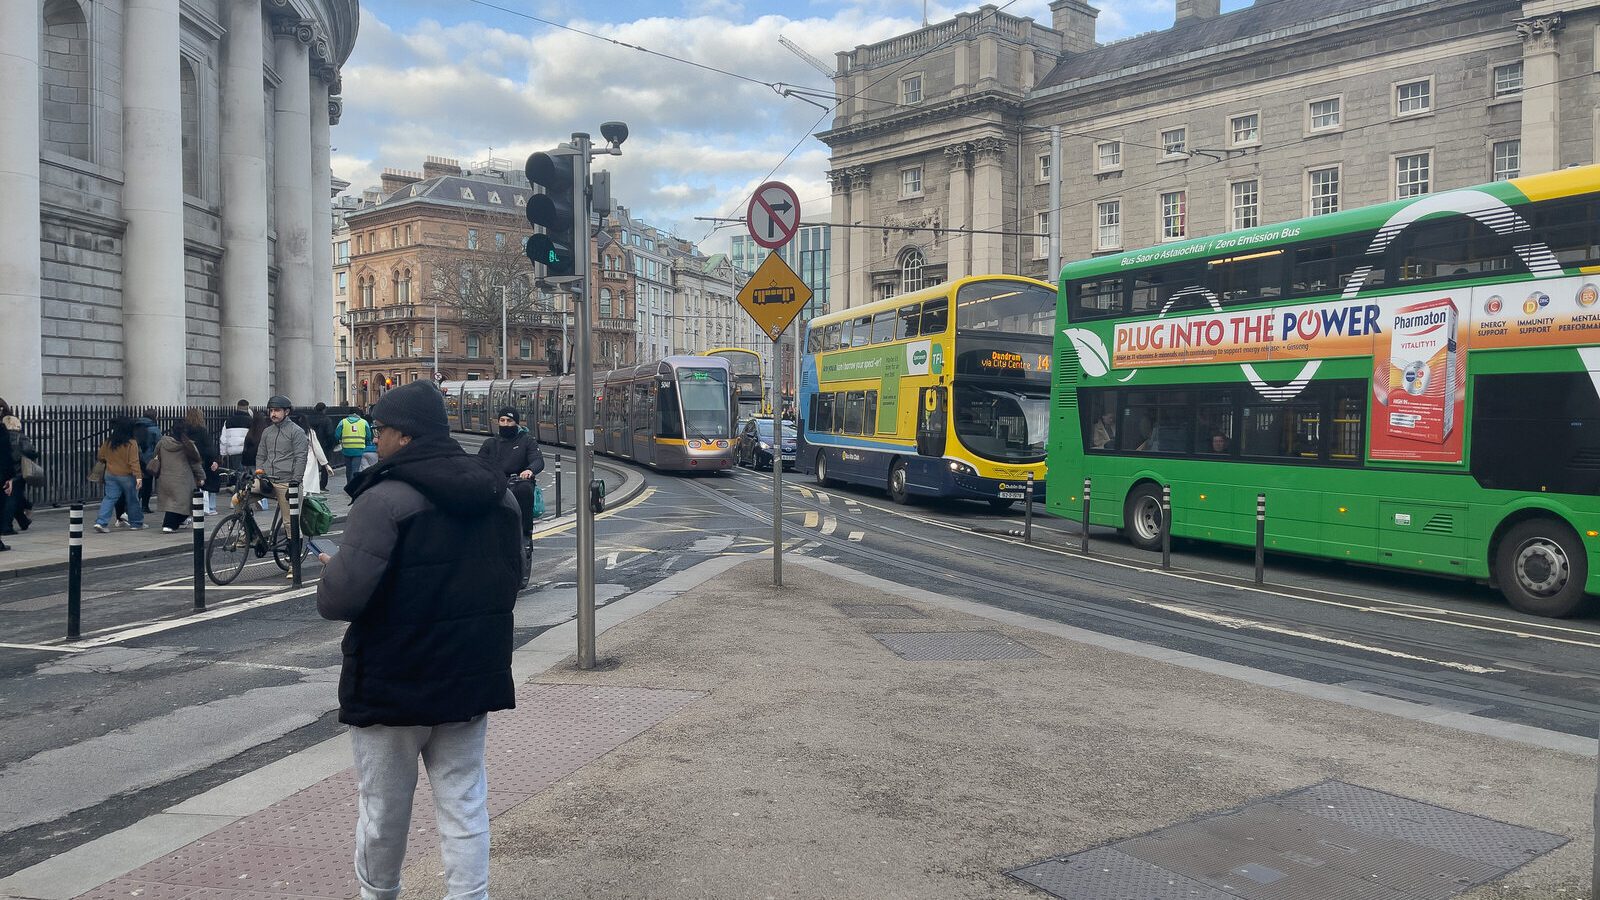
(931, 422)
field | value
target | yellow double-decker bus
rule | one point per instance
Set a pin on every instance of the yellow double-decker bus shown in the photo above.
(943, 392)
(744, 367)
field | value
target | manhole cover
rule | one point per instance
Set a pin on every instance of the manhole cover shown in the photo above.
(1331, 841)
(879, 611)
(927, 646)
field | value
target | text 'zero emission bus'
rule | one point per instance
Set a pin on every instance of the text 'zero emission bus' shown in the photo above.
(942, 392)
(1412, 384)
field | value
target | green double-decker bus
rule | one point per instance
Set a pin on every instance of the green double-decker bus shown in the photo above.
(1414, 384)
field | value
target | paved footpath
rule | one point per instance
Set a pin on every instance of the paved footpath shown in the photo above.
(844, 736)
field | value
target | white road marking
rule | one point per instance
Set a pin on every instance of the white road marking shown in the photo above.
(302, 670)
(829, 524)
(186, 583)
(811, 519)
(804, 491)
(857, 536)
(823, 496)
(218, 612)
(1237, 623)
(41, 647)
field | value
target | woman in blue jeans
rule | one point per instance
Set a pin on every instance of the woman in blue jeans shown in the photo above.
(124, 476)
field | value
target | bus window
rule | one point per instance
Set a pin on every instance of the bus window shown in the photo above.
(1349, 411)
(846, 330)
(935, 316)
(1181, 283)
(861, 333)
(1157, 422)
(1570, 228)
(1556, 412)
(1215, 435)
(1008, 307)
(1001, 425)
(910, 319)
(855, 407)
(1096, 298)
(1455, 247)
(883, 327)
(869, 416)
(1289, 430)
(830, 337)
(813, 340)
(1246, 278)
(821, 413)
(1100, 421)
(1326, 267)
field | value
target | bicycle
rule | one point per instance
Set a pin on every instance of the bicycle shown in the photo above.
(238, 534)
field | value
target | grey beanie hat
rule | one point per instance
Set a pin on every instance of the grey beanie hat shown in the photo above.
(416, 409)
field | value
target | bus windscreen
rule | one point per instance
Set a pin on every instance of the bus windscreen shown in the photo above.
(1006, 307)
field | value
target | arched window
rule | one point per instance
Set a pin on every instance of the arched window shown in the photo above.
(64, 79)
(405, 287)
(911, 270)
(394, 284)
(605, 303)
(366, 292)
(189, 99)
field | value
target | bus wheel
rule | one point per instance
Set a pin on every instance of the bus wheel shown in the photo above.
(1141, 517)
(1541, 568)
(897, 483)
(822, 469)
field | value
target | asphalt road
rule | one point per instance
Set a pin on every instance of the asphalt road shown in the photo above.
(166, 705)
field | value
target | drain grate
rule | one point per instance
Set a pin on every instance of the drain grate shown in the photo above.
(929, 646)
(1331, 841)
(879, 611)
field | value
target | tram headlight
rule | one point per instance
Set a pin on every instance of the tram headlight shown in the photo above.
(694, 445)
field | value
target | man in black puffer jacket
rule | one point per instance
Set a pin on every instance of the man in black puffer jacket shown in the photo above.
(426, 577)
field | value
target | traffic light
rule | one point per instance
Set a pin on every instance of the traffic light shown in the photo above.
(556, 211)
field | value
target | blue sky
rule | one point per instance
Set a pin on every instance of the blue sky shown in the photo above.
(468, 79)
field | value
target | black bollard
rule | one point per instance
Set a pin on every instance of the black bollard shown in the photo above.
(1261, 538)
(294, 532)
(1027, 511)
(75, 568)
(1166, 526)
(558, 485)
(1086, 515)
(197, 511)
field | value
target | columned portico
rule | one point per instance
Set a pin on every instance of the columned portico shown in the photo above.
(154, 315)
(988, 206)
(292, 200)
(959, 256)
(244, 207)
(859, 277)
(21, 337)
(1541, 101)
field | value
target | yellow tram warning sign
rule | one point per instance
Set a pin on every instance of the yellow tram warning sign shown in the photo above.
(774, 296)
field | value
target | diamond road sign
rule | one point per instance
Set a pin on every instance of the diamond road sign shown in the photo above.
(774, 296)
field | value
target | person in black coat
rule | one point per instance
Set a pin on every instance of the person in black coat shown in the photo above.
(8, 469)
(194, 422)
(515, 452)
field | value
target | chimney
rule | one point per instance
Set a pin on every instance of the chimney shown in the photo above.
(1075, 20)
(434, 166)
(1197, 10)
(395, 179)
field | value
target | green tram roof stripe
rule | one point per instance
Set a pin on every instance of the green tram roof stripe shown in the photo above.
(1261, 237)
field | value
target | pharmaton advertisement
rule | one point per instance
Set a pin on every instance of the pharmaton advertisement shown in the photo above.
(1418, 383)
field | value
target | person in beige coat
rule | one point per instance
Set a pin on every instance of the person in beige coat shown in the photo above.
(175, 455)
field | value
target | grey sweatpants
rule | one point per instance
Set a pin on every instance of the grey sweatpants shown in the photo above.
(386, 768)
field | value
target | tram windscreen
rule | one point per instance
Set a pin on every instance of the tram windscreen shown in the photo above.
(703, 396)
(1005, 426)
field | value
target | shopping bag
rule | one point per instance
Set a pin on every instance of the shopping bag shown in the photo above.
(315, 516)
(538, 501)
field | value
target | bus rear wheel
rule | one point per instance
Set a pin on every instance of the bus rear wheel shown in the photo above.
(1540, 567)
(897, 484)
(1141, 517)
(822, 469)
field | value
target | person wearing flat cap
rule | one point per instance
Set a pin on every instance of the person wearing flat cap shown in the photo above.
(514, 452)
(426, 576)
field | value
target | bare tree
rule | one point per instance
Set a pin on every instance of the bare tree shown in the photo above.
(468, 281)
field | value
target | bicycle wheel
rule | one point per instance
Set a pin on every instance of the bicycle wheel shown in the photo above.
(228, 549)
(280, 544)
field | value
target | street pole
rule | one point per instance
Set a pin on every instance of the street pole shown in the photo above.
(564, 350)
(436, 340)
(777, 466)
(503, 375)
(585, 401)
(1054, 263)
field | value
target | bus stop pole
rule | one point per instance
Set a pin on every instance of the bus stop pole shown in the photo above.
(1166, 526)
(1261, 538)
(1085, 525)
(777, 461)
(197, 514)
(75, 568)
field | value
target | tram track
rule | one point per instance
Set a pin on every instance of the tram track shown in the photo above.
(1569, 714)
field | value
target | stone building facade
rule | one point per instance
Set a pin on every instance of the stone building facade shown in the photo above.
(167, 163)
(1283, 109)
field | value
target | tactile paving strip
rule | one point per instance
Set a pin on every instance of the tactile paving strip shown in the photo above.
(303, 845)
(929, 646)
(879, 611)
(1331, 841)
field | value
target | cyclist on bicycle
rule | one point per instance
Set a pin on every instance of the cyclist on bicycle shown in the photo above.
(514, 452)
(281, 453)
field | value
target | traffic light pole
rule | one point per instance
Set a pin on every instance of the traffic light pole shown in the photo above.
(585, 404)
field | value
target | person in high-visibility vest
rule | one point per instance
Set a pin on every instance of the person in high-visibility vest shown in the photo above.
(352, 433)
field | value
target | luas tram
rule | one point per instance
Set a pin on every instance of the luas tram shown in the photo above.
(672, 415)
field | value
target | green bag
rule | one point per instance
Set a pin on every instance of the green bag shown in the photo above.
(315, 516)
(538, 501)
